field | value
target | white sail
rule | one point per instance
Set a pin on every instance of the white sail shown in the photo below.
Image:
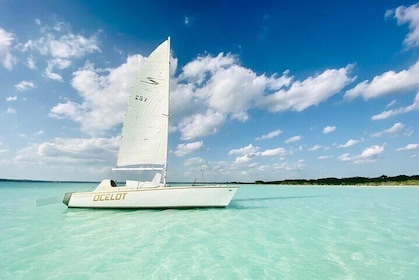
(145, 129)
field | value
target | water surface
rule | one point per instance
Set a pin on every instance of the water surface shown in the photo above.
(267, 232)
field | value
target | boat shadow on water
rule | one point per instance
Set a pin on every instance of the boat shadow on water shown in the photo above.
(241, 203)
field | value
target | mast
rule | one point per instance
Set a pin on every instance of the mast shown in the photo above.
(168, 115)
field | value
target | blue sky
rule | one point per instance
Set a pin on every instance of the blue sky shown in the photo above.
(277, 90)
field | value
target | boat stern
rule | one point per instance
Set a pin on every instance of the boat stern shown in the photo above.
(67, 197)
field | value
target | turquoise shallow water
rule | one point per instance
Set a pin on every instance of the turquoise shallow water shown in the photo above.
(267, 232)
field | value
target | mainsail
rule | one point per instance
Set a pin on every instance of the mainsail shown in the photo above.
(145, 129)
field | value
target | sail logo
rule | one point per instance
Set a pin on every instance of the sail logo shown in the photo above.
(150, 81)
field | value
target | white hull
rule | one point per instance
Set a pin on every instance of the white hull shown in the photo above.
(157, 197)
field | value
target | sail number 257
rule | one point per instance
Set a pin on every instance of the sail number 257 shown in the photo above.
(140, 98)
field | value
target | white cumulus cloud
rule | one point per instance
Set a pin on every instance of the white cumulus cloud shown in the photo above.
(6, 57)
(396, 129)
(314, 148)
(220, 89)
(409, 147)
(409, 15)
(293, 139)
(104, 94)
(368, 155)
(64, 46)
(11, 98)
(390, 82)
(310, 92)
(185, 149)
(200, 125)
(208, 92)
(59, 45)
(245, 158)
(24, 85)
(329, 129)
(402, 110)
(245, 150)
(345, 157)
(349, 143)
(273, 152)
(269, 135)
(62, 151)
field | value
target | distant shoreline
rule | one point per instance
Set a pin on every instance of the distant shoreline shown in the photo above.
(400, 180)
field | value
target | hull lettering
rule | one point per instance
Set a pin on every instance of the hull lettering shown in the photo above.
(109, 196)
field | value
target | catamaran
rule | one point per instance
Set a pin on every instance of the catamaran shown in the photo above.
(143, 147)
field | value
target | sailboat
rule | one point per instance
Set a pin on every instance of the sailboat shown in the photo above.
(144, 146)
